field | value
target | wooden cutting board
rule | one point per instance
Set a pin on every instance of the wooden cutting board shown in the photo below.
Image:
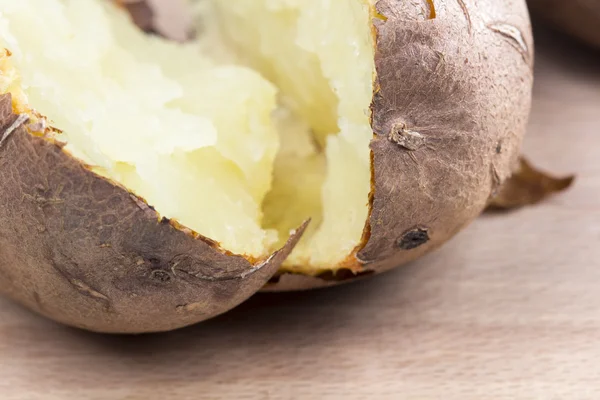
(508, 310)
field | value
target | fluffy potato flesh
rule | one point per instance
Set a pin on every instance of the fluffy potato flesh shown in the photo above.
(241, 152)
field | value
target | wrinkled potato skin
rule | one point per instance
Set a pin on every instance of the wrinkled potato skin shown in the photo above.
(579, 18)
(463, 80)
(82, 251)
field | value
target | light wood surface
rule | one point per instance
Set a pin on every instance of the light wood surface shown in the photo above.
(510, 309)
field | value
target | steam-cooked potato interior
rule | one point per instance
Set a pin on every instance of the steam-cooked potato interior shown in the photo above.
(241, 152)
(320, 56)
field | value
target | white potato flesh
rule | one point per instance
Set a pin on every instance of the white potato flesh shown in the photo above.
(320, 54)
(240, 151)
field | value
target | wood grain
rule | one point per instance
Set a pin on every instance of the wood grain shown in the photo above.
(510, 309)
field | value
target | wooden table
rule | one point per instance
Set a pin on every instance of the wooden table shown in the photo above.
(508, 310)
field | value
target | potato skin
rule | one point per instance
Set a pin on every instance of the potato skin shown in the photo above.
(579, 18)
(85, 252)
(449, 113)
(449, 116)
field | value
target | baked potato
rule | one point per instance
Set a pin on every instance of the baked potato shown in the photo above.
(579, 18)
(148, 185)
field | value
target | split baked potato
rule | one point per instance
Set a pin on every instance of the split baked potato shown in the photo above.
(148, 185)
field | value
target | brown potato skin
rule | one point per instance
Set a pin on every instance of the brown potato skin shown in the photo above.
(579, 18)
(462, 80)
(83, 251)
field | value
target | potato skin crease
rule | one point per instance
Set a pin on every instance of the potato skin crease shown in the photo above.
(579, 18)
(449, 115)
(82, 251)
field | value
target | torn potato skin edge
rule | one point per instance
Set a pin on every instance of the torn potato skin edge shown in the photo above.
(527, 186)
(51, 135)
(145, 206)
(66, 232)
